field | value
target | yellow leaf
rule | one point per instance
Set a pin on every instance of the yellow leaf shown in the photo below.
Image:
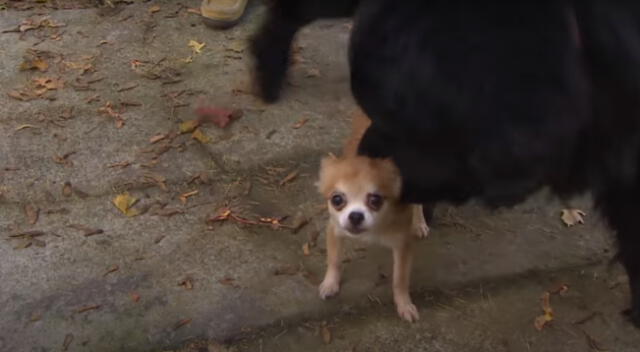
(124, 202)
(189, 126)
(200, 136)
(37, 63)
(196, 47)
(542, 320)
(154, 9)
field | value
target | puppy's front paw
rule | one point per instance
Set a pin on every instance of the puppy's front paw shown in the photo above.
(328, 288)
(421, 230)
(408, 312)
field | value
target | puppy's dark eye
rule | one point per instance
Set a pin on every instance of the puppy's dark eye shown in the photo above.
(338, 201)
(374, 201)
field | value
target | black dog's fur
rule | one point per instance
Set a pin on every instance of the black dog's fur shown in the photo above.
(492, 100)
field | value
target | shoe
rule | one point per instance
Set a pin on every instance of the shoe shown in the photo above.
(222, 14)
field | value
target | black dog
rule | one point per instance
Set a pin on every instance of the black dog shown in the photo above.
(492, 100)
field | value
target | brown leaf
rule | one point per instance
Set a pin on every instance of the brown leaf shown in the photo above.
(32, 233)
(313, 73)
(300, 123)
(220, 117)
(68, 339)
(181, 323)
(169, 212)
(290, 177)
(571, 217)
(185, 196)
(158, 180)
(154, 9)
(286, 270)
(32, 212)
(228, 281)
(20, 95)
(326, 335)
(306, 249)
(299, 222)
(121, 164)
(186, 283)
(111, 269)
(108, 110)
(134, 297)
(63, 159)
(66, 189)
(88, 308)
(158, 137)
(36, 63)
(86, 230)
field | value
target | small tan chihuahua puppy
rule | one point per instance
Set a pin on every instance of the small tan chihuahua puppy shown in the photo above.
(363, 200)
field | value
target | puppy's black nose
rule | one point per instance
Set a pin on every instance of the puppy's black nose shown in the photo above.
(356, 218)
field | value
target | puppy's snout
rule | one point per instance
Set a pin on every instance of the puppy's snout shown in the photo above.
(356, 218)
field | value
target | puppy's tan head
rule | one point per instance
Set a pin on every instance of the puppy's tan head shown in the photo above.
(361, 192)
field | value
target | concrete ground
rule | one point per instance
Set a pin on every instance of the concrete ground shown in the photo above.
(225, 250)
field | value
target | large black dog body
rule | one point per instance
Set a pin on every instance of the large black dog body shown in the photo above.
(492, 100)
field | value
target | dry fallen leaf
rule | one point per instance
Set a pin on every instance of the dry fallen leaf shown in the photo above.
(185, 196)
(286, 270)
(306, 249)
(313, 72)
(68, 339)
(154, 9)
(107, 109)
(195, 46)
(228, 281)
(134, 297)
(36, 63)
(186, 283)
(32, 212)
(300, 123)
(290, 177)
(66, 189)
(111, 269)
(199, 136)
(326, 335)
(86, 230)
(158, 138)
(189, 126)
(547, 317)
(124, 202)
(571, 217)
(220, 117)
(22, 127)
(181, 323)
(88, 308)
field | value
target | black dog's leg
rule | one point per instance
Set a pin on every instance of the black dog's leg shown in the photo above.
(271, 45)
(271, 50)
(620, 208)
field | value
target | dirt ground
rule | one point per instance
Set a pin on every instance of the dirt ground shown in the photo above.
(126, 227)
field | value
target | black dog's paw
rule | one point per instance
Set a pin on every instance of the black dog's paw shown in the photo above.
(633, 314)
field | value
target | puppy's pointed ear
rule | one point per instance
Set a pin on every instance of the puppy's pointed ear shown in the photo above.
(326, 176)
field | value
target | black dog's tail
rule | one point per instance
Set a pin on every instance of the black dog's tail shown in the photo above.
(271, 45)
